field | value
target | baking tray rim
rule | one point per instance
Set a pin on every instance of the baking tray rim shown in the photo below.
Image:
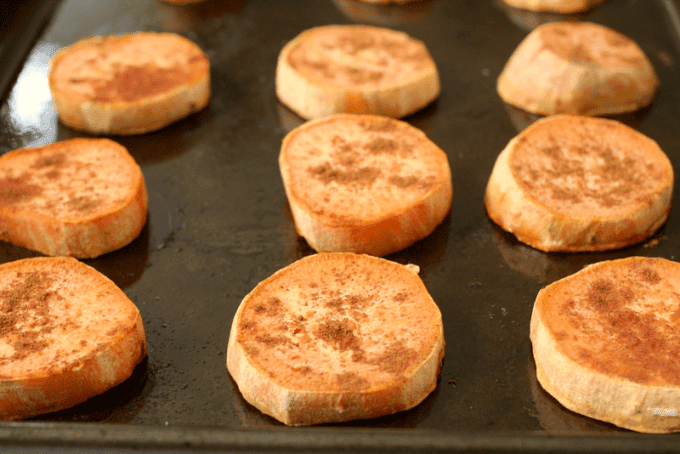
(320, 439)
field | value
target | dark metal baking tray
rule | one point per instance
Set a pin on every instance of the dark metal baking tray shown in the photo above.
(219, 223)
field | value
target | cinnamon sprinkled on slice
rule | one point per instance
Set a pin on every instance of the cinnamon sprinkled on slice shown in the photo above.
(358, 55)
(57, 349)
(355, 69)
(577, 68)
(588, 165)
(66, 178)
(620, 318)
(364, 161)
(129, 84)
(128, 68)
(573, 183)
(346, 325)
(591, 44)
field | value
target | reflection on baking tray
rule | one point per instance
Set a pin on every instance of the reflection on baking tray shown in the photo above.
(522, 119)
(389, 15)
(427, 253)
(528, 20)
(422, 119)
(119, 404)
(555, 418)
(170, 142)
(182, 18)
(162, 222)
(125, 266)
(28, 117)
(10, 252)
(288, 119)
(546, 268)
(294, 243)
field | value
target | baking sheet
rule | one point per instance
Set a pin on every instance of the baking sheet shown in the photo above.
(219, 223)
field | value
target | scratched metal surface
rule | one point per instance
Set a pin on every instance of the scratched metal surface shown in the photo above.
(219, 223)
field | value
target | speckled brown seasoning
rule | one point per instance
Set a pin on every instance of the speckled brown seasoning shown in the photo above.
(621, 320)
(26, 303)
(361, 158)
(587, 165)
(64, 179)
(344, 323)
(128, 68)
(13, 190)
(590, 43)
(578, 68)
(131, 83)
(358, 55)
(58, 349)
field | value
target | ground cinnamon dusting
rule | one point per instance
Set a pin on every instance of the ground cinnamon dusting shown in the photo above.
(14, 190)
(349, 381)
(574, 41)
(270, 340)
(336, 328)
(383, 125)
(131, 83)
(636, 344)
(396, 358)
(26, 304)
(382, 145)
(358, 56)
(339, 334)
(54, 160)
(361, 176)
(83, 204)
(578, 164)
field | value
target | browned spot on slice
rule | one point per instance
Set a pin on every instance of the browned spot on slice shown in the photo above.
(396, 358)
(404, 182)
(272, 307)
(25, 314)
(13, 190)
(351, 300)
(53, 160)
(115, 330)
(353, 43)
(621, 323)
(590, 43)
(380, 125)
(270, 340)
(132, 83)
(349, 381)
(360, 76)
(250, 350)
(382, 145)
(83, 204)
(401, 297)
(304, 370)
(606, 295)
(339, 334)
(650, 276)
(586, 165)
(352, 176)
